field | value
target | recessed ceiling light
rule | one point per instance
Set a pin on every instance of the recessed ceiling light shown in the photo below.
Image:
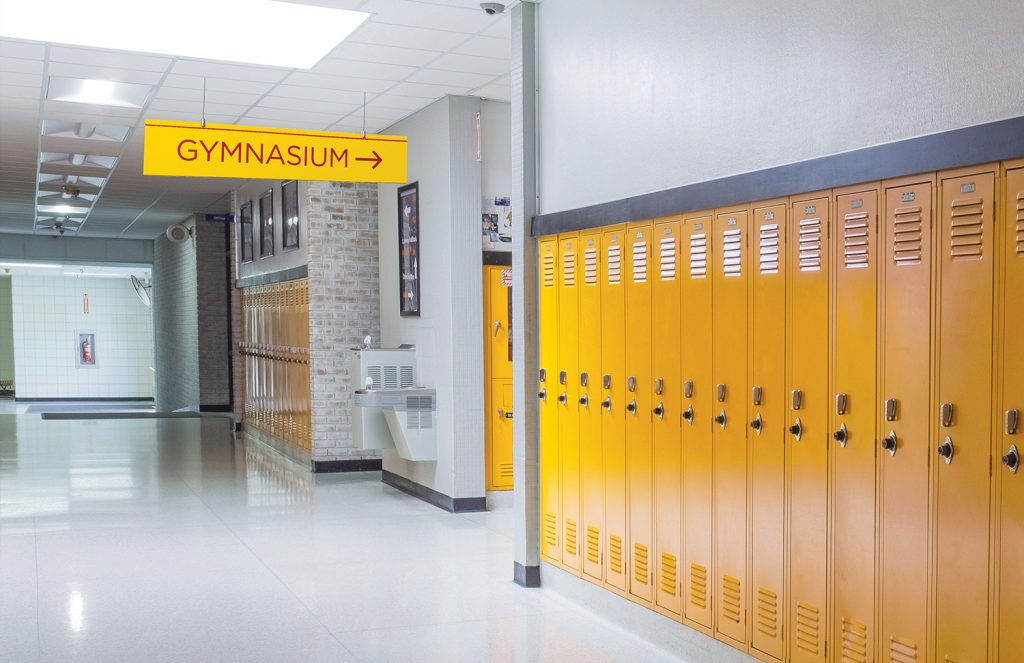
(267, 32)
(99, 92)
(39, 265)
(86, 160)
(84, 131)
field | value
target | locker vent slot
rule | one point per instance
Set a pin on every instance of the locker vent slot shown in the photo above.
(593, 545)
(907, 236)
(1020, 224)
(550, 530)
(698, 256)
(640, 563)
(615, 554)
(768, 612)
(590, 266)
(731, 599)
(505, 471)
(768, 260)
(966, 231)
(855, 641)
(698, 585)
(808, 628)
(669, 575)
(570, 537)
(810, 245)
(549, 270)
(855, 240)
(732, 257)
(901, 651)
(667, 263)
(640, 262)
(569, 268)
(615, 264)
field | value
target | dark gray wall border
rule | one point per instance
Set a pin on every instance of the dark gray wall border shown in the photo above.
(502, 258)
(982, 143)
(118, 399)
(431, 496)
(349, 465)
(300, 272)
(526, 576)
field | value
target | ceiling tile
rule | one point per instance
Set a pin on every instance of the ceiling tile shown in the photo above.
(21, 65)
(397, 102)
(322, 94)
(454, 78)
(486, 47)
(214, 96)
(16, 78)
(428, 16)
(332, 84)
(427, 91)
(104, 58)
(501, 27)
(469, 63)
(19, 91)
(13, 48)
(334, 67)
(237, 71)
(314, 105)
(386, 54)
(215, 83)
(397, 35)
(495, 91)
(69, 70)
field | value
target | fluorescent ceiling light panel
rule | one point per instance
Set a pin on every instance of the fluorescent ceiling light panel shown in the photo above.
(265, 32)
(87, 160)
(85, 131)
(37, 265)
(98, 92)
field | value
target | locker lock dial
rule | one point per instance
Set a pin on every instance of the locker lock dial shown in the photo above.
(797, 429)
(631, 407)
(542, 394)
(1012, 459)
(841, 435)
(946, 450)
(607, 403)
(889, 443)
(720, 419)
(756, 423)
(563, 398)
(585, 400)
(659, 410)
(688, 414)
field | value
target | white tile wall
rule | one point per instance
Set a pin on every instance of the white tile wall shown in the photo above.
(47, 316)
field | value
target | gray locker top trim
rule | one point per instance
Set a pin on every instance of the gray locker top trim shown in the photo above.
(982, 143)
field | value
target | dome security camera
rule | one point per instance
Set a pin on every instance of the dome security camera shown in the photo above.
(492, 8)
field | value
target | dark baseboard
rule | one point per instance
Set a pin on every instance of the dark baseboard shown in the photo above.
(215, 408)
(125, 399)
(526, 576)
(238, 426)
(349, 465)
(501, 258)
(431, 496)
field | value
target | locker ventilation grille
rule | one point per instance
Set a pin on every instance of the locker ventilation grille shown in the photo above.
(549, 270)
(505, 471)
(614, 264)
(640, 262)
(615, 554)
(810, 245)
(907, 236)
(667, 262)
(855, 641)
(768, 612)
(901, 651)
(808, 628)
(732, 257)
(698, 585)
(569, 269)
(1020, 224)
(966, 229)
(593, 545)
(590, 266)
(570, 537)
(550, 530)
(855, 240)
(698, 256)
(669, 575)
(731, 599)
(769, 249)
(641, 568)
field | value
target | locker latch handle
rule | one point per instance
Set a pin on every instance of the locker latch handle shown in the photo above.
(797, 429)
(688, 414)
(503, 414)
(1011, 420)
(659, 386)
(720, 419)
(542, 375)
(584, 379)
(841, 403)
(688, 389)
(757, 423)
(755, 395)
(841, 436)
(497, 327)
(561, 377)
(607, 403)
(631, 383)
(563, 398)
(946, 415)
(946, 450)
(889, 443)
(659, 410)
(890, 409)
(542, 394)
(720, 389)
(631, 407)
(798, 399)
(606, 381)
(585, 400)
(1012, 459)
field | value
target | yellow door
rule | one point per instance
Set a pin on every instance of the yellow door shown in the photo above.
(1010, 636)
(810, 438)
(568, 398)
(498, 376)
(638, 409)
(613, 408)
(730, 275)
(499, 476)
(591, 470)
(767, 416)
(698, 418)
(906, 420)
(855, 259)
(963, 414)
(548, 392)
(666, 412)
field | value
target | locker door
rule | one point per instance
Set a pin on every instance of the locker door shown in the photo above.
(854, 360)
(591, 479)
(809, 440)
(906, 419)
(568, 398)
(613, 407)
(731, 271)
(548, 391)
(498, 375)
(1010, 638)
(500, 415)
(698, 418)
(498, 304)
(964, 414)
(639, 460)
(767, 444)
(667, 398)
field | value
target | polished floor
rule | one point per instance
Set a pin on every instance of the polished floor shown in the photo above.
(171, 540)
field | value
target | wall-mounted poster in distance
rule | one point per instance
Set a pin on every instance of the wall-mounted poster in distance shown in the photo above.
(290, 214)
(409, 250)
(85, 349)
(267, 224)
(245, 218)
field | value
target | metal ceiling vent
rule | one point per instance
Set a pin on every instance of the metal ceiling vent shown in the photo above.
(179, 233)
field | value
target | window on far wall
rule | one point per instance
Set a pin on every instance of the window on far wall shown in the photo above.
(267, 224)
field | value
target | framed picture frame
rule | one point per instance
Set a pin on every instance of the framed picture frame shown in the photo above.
(409, 250)
(290, 215)
(267, 223)
(85, 349)
(245, 231)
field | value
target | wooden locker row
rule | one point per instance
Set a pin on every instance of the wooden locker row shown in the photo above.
(794, 425)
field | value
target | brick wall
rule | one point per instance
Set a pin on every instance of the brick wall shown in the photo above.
(237, 325)
(175, 324)
(213, 314)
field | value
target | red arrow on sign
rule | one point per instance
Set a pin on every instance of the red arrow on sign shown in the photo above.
(376, 159)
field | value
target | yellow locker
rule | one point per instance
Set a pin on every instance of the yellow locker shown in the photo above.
(590, 451)
(854, 359)
(548, 391)
(905, 416)
(666, 413)
(767, 417)
(698, 418)
(730, 276)
(808, 380)
(499, 457)
(568, 399)
(613, 408)
(964, 414)
(1010, 606)
(639, 450)
(498, 376)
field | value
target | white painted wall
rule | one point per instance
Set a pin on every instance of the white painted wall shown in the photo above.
(47, 315)
(646, 95)
(495, 148)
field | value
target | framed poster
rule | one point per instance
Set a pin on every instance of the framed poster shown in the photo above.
(290, 214)
(85, 349)
(267, 224)
(409, 250)
(245, 218)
